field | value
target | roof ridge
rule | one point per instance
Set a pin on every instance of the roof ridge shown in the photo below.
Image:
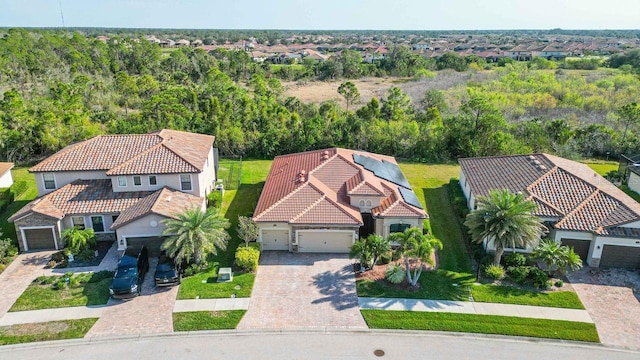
(178, 155)
(323, 163)
(578, 208)
(306, 210)
(131, 159)
(553, 207)
(541, 178)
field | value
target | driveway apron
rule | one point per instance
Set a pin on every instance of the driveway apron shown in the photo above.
(149, 313)
(18, 275)
(612, 298)
(303, 291)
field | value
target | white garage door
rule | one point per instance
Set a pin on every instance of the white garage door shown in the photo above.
(325, 241)
(275, 240)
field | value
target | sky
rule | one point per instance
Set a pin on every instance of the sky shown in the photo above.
(325, 14)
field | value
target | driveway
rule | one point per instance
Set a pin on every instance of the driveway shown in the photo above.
(18, 275)
(612, 298)
(303, 291)
(149, 313)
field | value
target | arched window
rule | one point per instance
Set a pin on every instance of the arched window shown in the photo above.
(361, 203)
(368, 203)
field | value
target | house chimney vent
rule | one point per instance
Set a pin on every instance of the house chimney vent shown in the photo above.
(325, 155)
(301, 176)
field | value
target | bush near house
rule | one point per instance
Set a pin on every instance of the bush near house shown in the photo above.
(247, 258)
(214, 199)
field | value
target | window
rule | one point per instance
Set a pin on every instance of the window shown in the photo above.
(49, 181)
(114, 218)
(137, 181)
(394, 228)
(368, 203)
(122, 181)
(98, 223)
(185, 182)
(78, 222)
(361, 203)
(153, 180)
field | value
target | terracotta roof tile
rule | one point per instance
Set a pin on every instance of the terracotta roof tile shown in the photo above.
(571, 191)
(165, 202)
(312, 188)
(107, 152)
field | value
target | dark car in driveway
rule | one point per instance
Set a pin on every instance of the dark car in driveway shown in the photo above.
(127, 281)
(167, 273)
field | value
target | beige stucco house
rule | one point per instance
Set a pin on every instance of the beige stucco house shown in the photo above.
(324, 200)
(121, 186)
(5, 174)
(579, 207)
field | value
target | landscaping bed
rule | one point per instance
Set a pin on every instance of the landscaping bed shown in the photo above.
(48, 292)
(207, 320)
(53, 330)
(485, 324)
(101, 246)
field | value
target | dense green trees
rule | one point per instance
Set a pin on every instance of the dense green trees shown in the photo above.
(59, 87)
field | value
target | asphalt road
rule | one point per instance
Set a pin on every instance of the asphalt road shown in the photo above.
(307, 344)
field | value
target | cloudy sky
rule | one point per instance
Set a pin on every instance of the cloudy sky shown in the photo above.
(325, 14)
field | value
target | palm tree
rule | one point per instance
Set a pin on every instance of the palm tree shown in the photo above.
(570, 260)
(417, 249)
(369, 250)
(505, 218)
(194, 234)
(557, 257)
(77, 239)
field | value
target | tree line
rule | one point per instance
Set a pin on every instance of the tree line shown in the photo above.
(60, 87)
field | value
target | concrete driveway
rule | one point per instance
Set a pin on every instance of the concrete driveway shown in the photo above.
(149, 313)
(18, 275)
(303, 291)
(612, 298)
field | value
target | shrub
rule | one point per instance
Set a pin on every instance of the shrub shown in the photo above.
(385, 258)
(191, 270)
(60, 284)
(519, 273)
(86, 255)
(514, 260)
(395, 274)
(74, 282)
(538, 278)
(58, 257)
(49, 280)
(559, 283)
(247, 258)
(51, 264)
(214, 199)
(494, 272)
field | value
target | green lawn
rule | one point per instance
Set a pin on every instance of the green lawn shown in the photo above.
(19, 174)
(485, 324)
(91, 289)
(512, 295)
(602, 167)
(207, 320)
(54, 330)
(429, 182)
(234, 203)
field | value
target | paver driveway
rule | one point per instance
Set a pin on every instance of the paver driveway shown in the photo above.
(149, 313)
(18, 275)
(612, 298)
(303, 291)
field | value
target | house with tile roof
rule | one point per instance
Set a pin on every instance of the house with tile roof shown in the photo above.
(324, 200)
(5, 174)
(579, 207)
(121, 186)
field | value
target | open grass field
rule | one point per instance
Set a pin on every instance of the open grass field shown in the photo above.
(319, 91)
(485, 324)
(47, 331)
(207, 320)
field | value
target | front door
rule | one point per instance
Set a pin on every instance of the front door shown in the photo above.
(369, 225)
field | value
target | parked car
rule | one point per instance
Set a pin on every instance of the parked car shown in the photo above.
(167, 273)
(127, 281)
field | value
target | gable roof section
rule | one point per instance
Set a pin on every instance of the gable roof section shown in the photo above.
(165, 202)
(581, 199)
(5, 166)
(82, 197)
(313, 187)
(165, 151)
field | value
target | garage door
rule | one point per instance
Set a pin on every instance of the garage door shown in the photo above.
(151, 242)
(325, 241)
(275, 240)
(620, 256)
(581, 247)
(39, 239)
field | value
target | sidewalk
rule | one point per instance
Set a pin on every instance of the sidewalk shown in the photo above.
(478, 308)
(211, 304)
(45, 315)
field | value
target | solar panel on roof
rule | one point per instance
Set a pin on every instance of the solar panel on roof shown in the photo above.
(383, 169)
(410, 197)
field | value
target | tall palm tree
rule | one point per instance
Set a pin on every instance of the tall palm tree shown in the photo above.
(194, 234)
(505, 218)
(417, 249)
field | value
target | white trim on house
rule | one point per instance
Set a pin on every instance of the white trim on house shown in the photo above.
(190, 182)
(122, 177)
(134, 180)
(44, 181)
(84, 220)
(155, 180)
(24, 237)
(104, 228)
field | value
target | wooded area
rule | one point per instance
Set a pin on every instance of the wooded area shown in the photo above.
(60, 87)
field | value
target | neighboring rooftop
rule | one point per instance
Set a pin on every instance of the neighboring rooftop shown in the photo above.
(5, 166)
(313, 188)
(162, 152)
(571, 192)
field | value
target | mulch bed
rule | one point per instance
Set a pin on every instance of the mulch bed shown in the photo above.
(102, 247)
(377, 274)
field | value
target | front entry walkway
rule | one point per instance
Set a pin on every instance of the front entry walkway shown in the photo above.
(303, 291)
